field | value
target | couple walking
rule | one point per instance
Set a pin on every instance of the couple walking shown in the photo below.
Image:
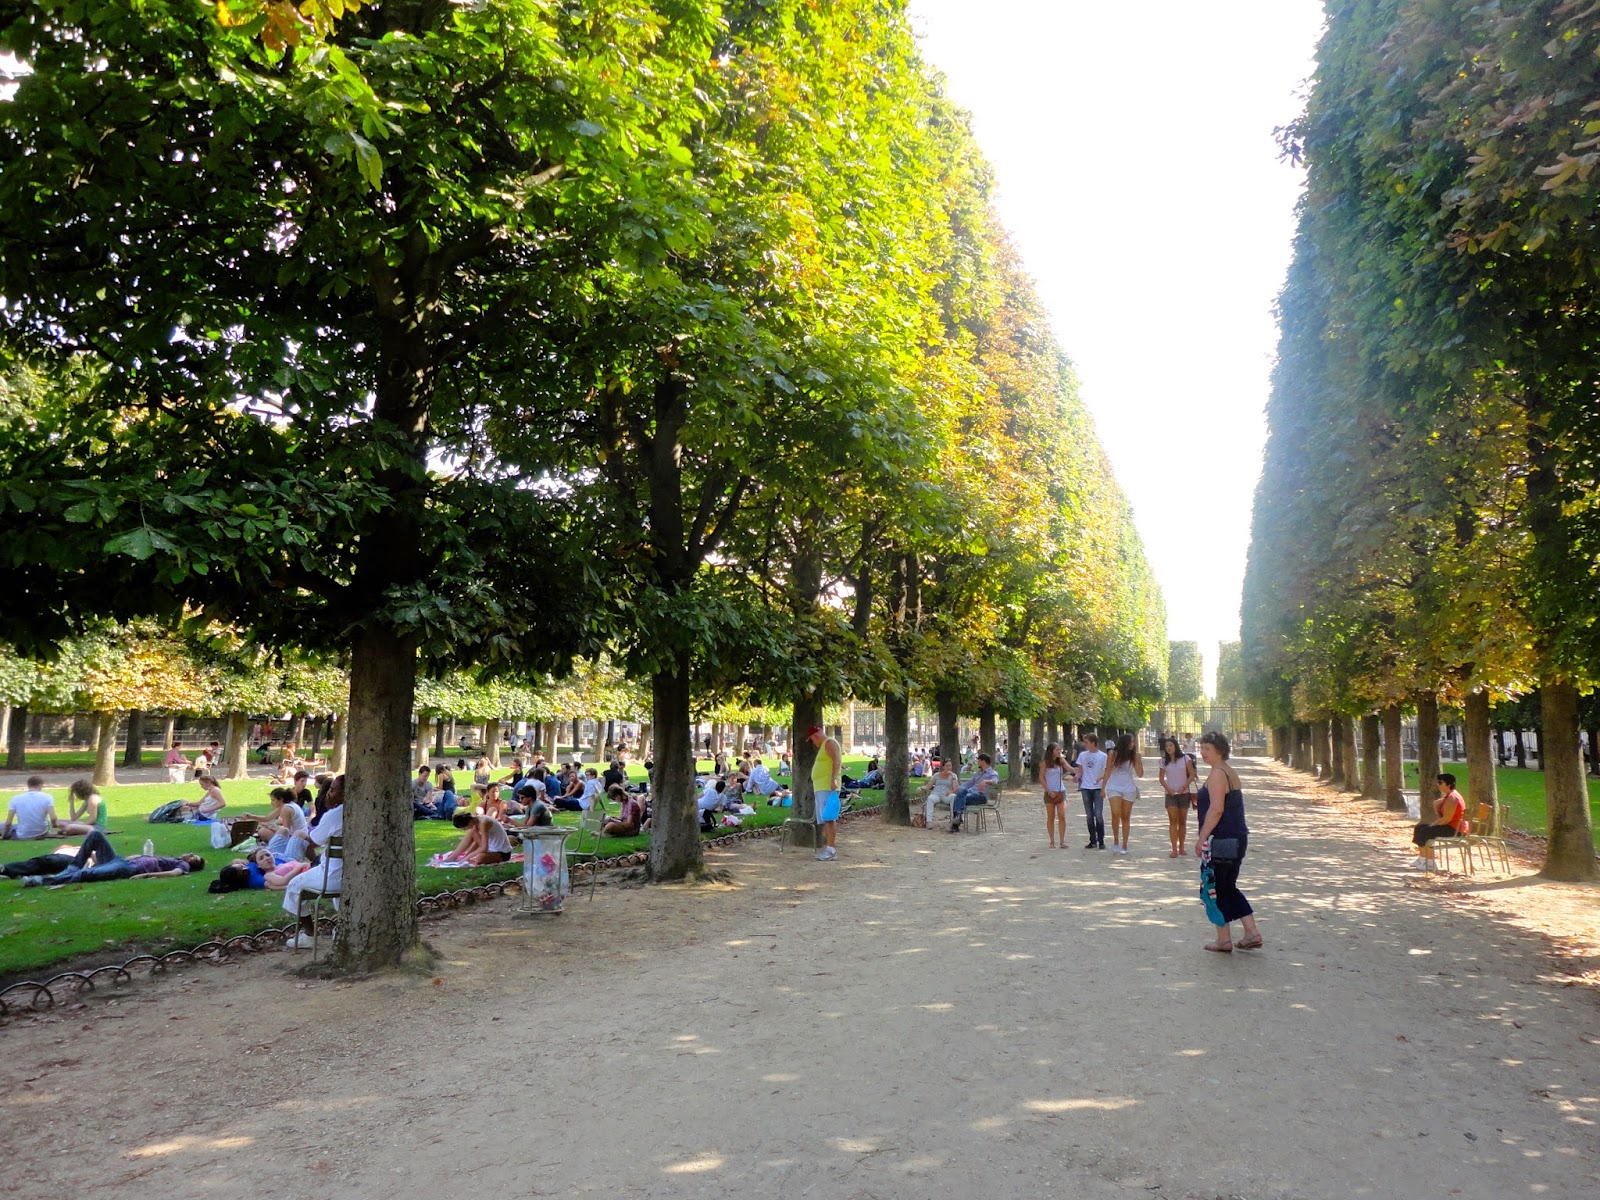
(1100, 778)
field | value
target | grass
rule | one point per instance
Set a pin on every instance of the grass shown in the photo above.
(41, 927)
(1523, 791)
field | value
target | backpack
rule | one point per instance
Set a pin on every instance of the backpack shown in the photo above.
(169, 813)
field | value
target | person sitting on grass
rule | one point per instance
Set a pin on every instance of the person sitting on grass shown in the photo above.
(484, 841)
(86, 811)
(284, 829)
(287, 764)
(710, 802)
(565, 791)
(630, 814)
(534, 809)
(301, 791)
(493, 804)
(109, 865)
(31, 815)
(209, 804)
(761, 780)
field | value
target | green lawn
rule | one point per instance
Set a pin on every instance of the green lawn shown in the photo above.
(112, 921)
(1523, 791)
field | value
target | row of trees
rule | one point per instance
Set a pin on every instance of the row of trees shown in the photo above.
(495, 337)
(1426, 528)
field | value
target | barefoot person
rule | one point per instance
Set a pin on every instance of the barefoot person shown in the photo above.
(825, 774)
(1053, 779)
(1221, 843)
(1122, 788)
(1178, 779)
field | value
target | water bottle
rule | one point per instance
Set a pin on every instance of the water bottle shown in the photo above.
(149, 848)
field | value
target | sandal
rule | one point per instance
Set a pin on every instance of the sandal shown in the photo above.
(1219, 948)
(1250, 944)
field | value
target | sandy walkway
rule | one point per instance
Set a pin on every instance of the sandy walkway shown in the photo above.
(930, 1016)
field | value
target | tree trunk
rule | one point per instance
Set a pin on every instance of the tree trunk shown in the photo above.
(1321, 749)
(339, 756)
(1371, 753)
(1482, 785)
(1592, 733)
(5, 723)
(611, 738)
(1393, 761)
(675, 847)
(740, 735)
(378, 918)
(319, 731)
(577, 739)
(1347, 754)
(298, 737)
(491, 740)
(438, 737)
(1336, 728)
(1302, 747)
(169, 730)
(451, 735)
(419, 743)
(105, 749)
(1570, 856)
(1521, 747)
(949, 726)
(1036, 742)
(646, 732)
(133, 752)
(1428, 766)
(1014, 780)
(986, 733)
(896, 748)
(807, 712)
(552, 746)
(236, 746)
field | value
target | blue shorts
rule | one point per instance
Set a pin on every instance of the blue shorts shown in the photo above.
(827, 806)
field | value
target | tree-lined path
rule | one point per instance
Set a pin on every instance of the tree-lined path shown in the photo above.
(929, 1016)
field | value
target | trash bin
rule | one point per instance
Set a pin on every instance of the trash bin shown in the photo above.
(545, 880)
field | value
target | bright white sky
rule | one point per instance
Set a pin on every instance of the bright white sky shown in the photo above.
(1138, 173)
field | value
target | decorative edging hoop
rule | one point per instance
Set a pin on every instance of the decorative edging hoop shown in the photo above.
(33, 996)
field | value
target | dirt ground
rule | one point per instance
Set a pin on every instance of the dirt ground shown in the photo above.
(929, 1016)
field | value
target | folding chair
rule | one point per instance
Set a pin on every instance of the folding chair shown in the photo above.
(333, 851)
(586, 842)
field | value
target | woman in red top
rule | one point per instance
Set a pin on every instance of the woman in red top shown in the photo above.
(1449, 812)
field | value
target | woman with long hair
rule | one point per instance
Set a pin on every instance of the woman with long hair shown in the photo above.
(1053, 779)
(1122, 790)
(1178, 778)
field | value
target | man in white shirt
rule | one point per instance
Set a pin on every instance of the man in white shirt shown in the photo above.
(1091, 776)
(327, 875)
(31, 814)
(591, 789)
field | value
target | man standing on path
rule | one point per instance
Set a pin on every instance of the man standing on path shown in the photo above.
(1091, 773)
(825, 774)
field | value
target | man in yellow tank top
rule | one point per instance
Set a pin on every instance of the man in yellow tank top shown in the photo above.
(825, 783)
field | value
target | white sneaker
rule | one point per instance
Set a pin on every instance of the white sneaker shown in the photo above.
(826, 854)
(1119, 849)
(300, 941)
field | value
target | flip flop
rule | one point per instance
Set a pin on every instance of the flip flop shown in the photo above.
(1212, 946)
(1251, 944)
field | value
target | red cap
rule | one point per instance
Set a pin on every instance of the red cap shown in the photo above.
(814, 731)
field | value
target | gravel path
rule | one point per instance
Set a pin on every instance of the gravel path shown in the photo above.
(929, 1016)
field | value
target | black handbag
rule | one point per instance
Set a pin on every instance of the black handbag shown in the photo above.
(1226, 849)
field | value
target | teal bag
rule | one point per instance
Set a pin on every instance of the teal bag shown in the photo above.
(1208, 894)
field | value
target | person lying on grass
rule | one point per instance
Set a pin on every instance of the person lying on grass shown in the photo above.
(260, 870)
(484, 841)
(109, 865)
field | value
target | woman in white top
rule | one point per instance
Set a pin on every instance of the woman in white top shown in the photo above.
(941, 791)
(1126, 766)
(1053, 778)
(1178, 778)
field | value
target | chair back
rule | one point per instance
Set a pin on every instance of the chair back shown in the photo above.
(592, 819)
(1481, 814)
(334, 850)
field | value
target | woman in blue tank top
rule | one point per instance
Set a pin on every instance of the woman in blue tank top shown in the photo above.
(1222, 825)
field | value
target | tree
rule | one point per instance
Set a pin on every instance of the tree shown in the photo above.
(1185, 673)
